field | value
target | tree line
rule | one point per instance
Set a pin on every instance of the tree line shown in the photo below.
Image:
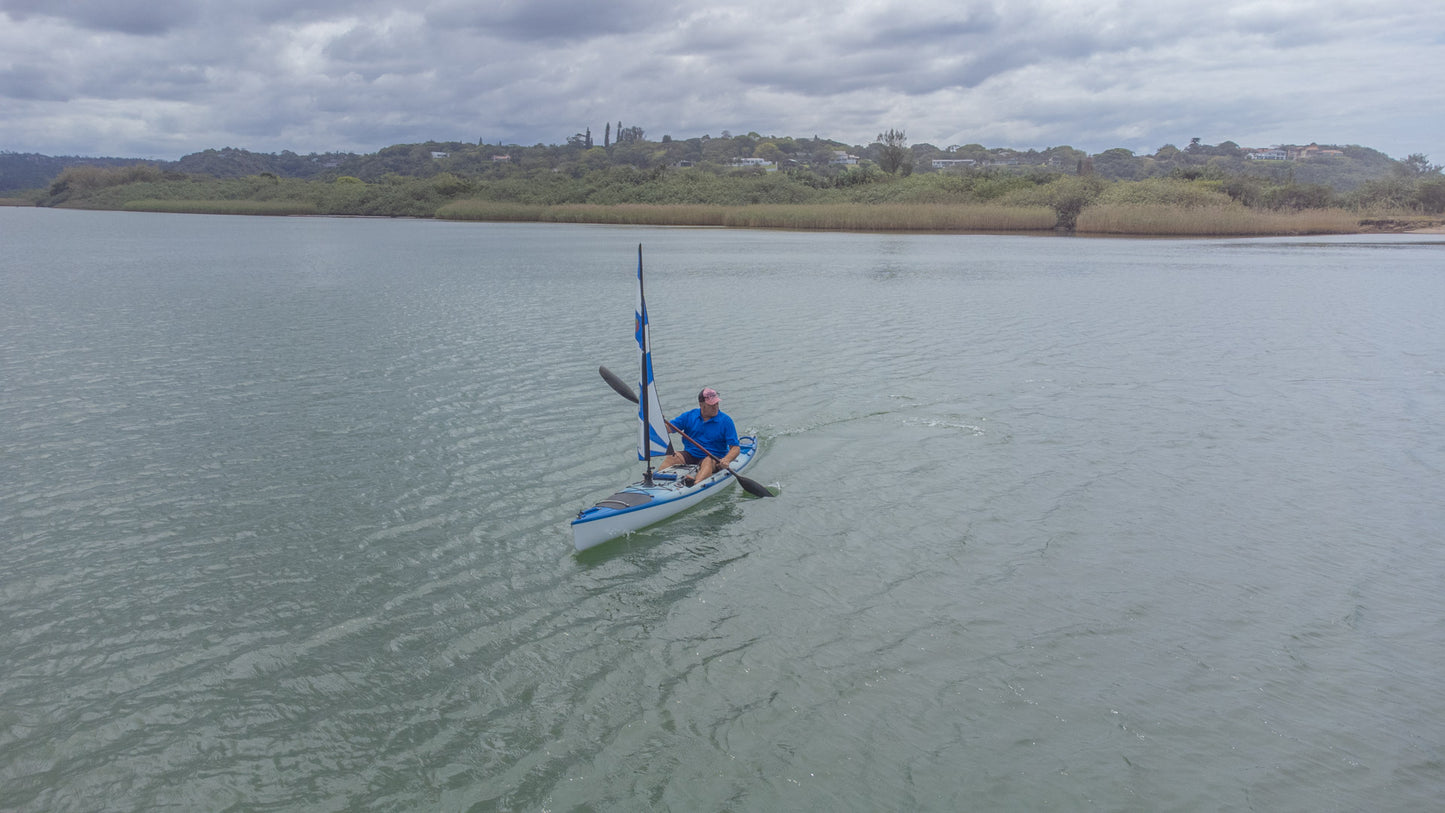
(629, 146)
(629, 168)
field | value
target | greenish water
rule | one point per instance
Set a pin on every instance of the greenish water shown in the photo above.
(1062, 523)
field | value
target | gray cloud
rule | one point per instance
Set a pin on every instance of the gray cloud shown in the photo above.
(544, 21)
(144, 19)
(165, 77)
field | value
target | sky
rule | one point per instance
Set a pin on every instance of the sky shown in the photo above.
(163, 78)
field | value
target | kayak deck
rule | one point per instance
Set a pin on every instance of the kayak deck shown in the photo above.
(644, 503)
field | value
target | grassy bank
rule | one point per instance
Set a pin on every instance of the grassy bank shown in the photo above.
(863, 200)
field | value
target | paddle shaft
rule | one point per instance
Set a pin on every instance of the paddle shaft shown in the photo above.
(752, 487)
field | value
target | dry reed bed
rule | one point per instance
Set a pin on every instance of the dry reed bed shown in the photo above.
(1121, 219)
(832, 217)
(224, 207)
(895, 217)
(623, 214)
(1211, 221)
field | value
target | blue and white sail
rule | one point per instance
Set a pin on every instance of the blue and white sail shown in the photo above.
(653, 439)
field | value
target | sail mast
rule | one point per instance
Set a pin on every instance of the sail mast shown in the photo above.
(644, 343)
(653, 438)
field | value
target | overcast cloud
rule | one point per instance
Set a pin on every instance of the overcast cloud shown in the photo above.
(163, 78)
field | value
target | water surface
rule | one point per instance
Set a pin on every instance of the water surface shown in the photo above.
(1062, 523)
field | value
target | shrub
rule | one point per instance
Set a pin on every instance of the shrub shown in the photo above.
(85, 179)
(1068, 196)
(1430, 196)
(1299, 196)
(1166, 192)
(1383, 195)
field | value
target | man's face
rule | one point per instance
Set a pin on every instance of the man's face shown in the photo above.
(708, 410)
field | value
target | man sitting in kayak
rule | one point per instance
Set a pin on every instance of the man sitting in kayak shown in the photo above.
(709, 426)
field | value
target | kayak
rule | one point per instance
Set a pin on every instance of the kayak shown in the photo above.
(660, 493)
(644, 503)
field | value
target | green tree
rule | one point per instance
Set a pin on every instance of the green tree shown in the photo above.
(1118, 164)
(720, 150)
(894, 154)
(820, 152)
(1417, 165)
(768, 151)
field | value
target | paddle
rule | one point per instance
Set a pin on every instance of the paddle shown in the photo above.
(618, 384)
(750, 486)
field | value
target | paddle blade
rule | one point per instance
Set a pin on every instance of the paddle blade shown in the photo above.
(753, 487)
(618, 384)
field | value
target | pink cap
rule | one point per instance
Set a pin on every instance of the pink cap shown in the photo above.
(707, 396)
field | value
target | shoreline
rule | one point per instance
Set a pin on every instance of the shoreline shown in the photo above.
(1151, 222)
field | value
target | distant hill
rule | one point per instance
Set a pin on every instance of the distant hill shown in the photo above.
(1342, 168)
(26, 170)
(230, 162)
(21, 171)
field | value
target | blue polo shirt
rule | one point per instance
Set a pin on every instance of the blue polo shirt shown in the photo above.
(718, 433)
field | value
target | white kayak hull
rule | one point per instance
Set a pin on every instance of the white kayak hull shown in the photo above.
(642, 504)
